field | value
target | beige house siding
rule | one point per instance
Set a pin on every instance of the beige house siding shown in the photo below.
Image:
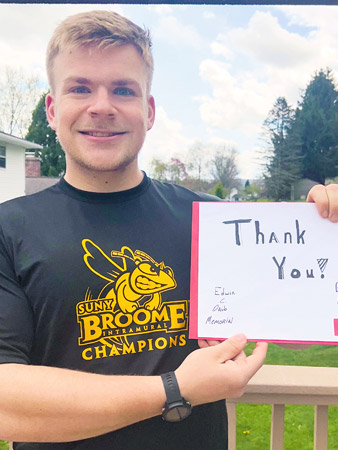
(12, 177)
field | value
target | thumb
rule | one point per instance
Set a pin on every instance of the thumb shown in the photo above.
(229, 348)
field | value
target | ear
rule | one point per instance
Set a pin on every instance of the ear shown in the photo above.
(50, 111)
(151, 112)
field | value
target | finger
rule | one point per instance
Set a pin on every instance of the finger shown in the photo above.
(332, 193)
(202, 343)
(256, 359)
(318, 195)
(229, 348)
(211, 343)
(240, 357)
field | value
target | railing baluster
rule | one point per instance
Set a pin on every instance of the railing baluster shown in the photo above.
(231, 408)
(277, 427)
(321, 427)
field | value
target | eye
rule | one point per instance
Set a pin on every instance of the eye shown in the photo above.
(80, 90)
(147, 268)
(124, 91)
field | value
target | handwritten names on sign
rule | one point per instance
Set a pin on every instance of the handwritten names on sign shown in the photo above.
(269, 270)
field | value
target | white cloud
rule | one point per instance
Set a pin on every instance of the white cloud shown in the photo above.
(249, 164)
(221, 49)
(25, 30)
(322, 17)
(173, 31)
(165, 140)
(217, 142)
(237, 102)
(209, 15)
(267, 42)
(160, 9)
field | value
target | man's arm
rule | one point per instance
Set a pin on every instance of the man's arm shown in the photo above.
(44, 404)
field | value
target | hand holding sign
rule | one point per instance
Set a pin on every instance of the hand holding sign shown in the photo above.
(326, 200)
(217, 372)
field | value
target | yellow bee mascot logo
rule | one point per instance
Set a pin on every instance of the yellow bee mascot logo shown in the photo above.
(133, 279)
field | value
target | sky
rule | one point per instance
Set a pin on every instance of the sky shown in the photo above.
(218, 68)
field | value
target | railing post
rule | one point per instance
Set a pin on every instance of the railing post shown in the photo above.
(231, 408)
(277, 427)
(321, 427)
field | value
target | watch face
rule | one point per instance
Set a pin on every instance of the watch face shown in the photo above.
(177, 413)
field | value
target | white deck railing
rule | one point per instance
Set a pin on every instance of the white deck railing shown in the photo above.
(289, 385)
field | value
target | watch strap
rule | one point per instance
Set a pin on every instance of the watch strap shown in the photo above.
(171, 387)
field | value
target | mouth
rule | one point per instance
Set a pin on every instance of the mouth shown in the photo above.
(145, 283)
(102, 133)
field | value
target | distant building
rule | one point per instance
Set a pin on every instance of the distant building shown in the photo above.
(235, 193)
(12, 165)
(301, 188)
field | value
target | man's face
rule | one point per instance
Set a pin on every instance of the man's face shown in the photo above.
(100, 108)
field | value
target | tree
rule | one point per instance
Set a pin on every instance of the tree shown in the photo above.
(317, 122)
(172, 172)
(53, 162)
(18, 95)
(251, 192)
(159, 169)
(176, 171)
(224, 167)
(197, 164)
(219, 190)
(283, 161)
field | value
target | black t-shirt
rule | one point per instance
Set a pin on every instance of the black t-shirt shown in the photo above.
(100, 283)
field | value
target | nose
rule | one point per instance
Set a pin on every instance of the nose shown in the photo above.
(102, 104)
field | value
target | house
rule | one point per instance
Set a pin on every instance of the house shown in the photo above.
(34, 181)
(12, 165)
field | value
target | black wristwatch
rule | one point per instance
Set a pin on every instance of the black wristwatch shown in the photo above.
(176, 407)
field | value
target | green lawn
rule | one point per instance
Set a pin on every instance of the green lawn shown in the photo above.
(253, 421)
(317, 355)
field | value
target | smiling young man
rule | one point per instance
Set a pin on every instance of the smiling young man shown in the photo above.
(94, 273)
(101, 108)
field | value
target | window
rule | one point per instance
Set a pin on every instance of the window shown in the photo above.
(2, 156)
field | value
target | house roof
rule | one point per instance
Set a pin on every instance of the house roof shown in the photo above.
(9, 139)
(36, 184)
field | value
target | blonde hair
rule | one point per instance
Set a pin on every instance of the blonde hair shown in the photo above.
(99, 29)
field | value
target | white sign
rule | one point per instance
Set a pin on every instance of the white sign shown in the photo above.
(268, 270)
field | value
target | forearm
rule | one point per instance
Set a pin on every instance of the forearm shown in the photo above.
(43, 404)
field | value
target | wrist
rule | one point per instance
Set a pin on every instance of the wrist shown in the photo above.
(176, 408)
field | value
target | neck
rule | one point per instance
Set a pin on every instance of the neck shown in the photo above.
(103, 182)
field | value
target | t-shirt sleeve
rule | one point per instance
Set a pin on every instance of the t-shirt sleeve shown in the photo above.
(16, 319)
(209, 197)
